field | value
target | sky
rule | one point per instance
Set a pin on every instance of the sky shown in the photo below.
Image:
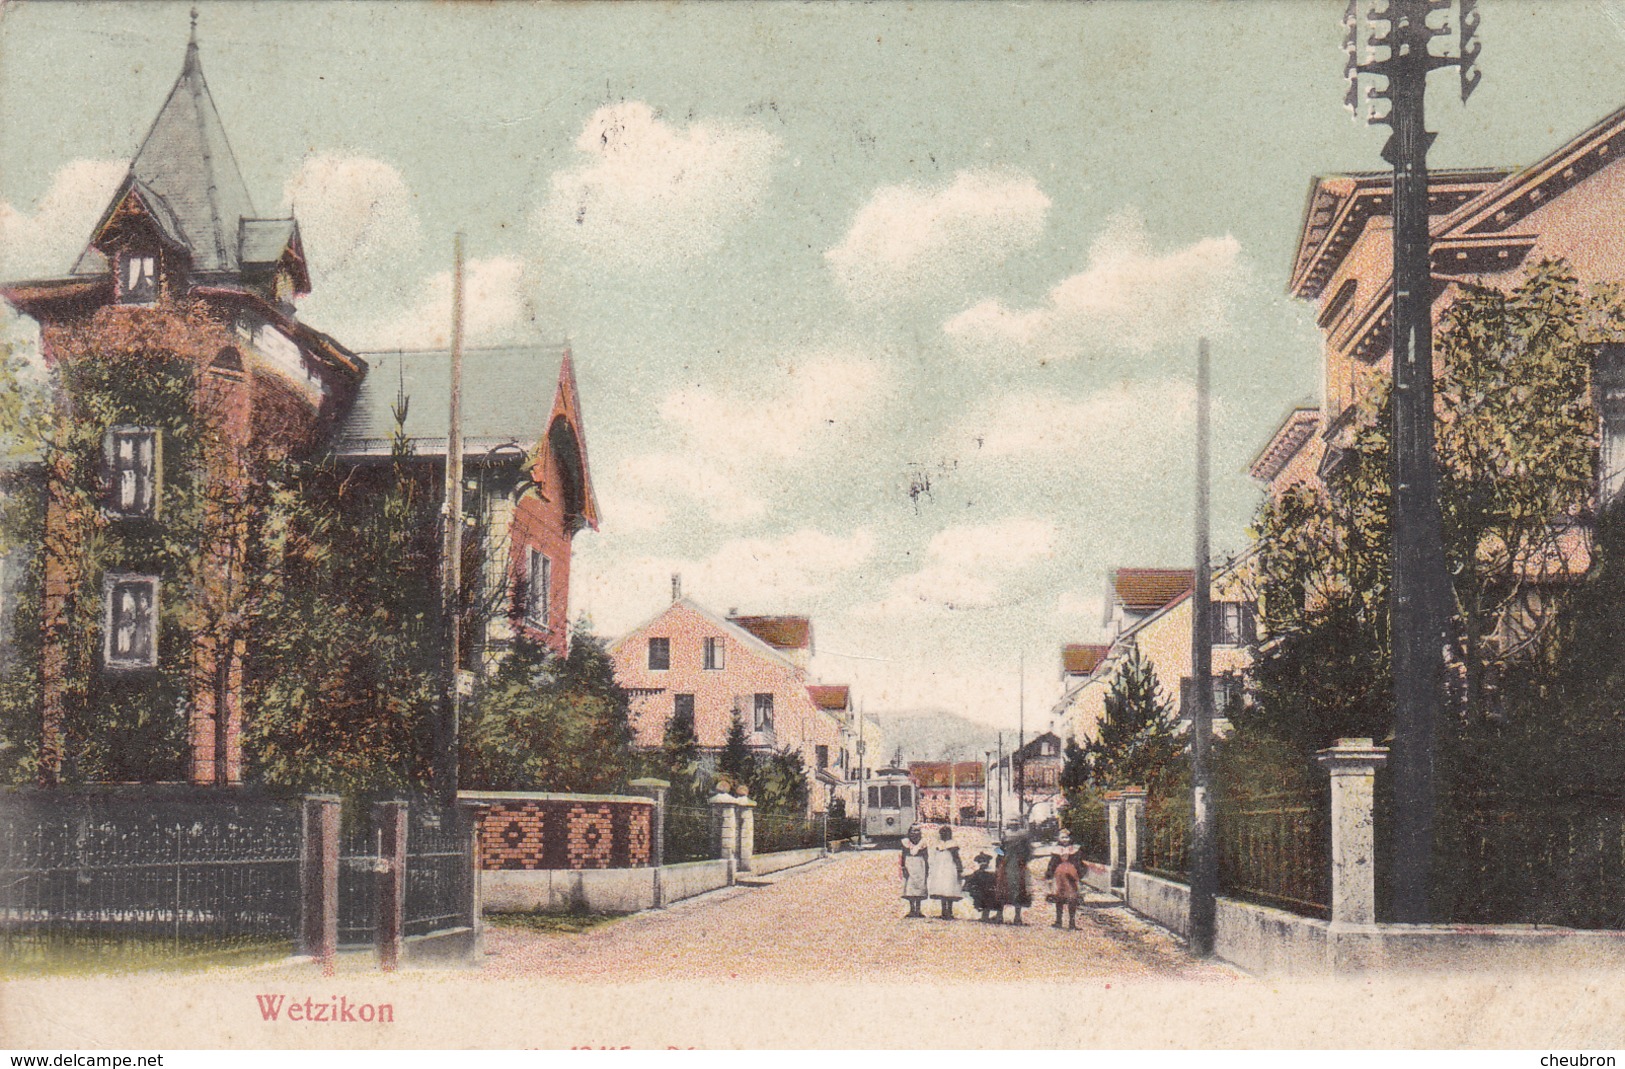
(882, 313)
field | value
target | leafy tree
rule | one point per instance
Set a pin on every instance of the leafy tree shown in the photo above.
(778, 782)
(678, 761)
(1137, 742)
(737, 764)
(1516, 448)
(545, 722)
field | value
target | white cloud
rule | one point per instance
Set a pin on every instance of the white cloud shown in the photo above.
(1079, 605)
(650, 192)
(356, 215)
(910, 238)
(631, 514)
(1129, 296)
(46, 241)
(494, 307)
(798, 405)
(665, 477)
(969, 567)
(776, 574)
(1098, 425)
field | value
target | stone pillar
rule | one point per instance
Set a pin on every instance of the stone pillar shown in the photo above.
(725, 830)
(1114, 834)
(656, 789)
(473, 815)
(319, 879)
(1134, 830)
(747, 832)
(390, 820)
(1352, 765)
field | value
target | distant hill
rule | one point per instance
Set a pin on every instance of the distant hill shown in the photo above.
(940, 736)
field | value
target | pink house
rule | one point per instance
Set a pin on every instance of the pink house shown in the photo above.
(687, 661)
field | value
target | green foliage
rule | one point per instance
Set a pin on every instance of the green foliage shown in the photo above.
(737, 764)
(678, 762)
(1137, 742)
(1516, 449)
(542, 722)
(778, 782)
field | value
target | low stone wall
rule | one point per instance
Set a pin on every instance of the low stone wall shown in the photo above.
(1274, 942)
(532, 830)
(1097, 876)
(693, 878)
(762, 864)
(567, 890)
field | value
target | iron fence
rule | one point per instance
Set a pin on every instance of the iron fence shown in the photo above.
(1506, 859)
(1276, 850)
(359, 862)
(439, 869)
(104, 877)
(1167, 823)
(688, 834)
(783, 831)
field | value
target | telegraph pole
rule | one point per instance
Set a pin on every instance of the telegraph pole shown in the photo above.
(1398, 38)
(1020, 760)
(451, 554)
(1204, 864)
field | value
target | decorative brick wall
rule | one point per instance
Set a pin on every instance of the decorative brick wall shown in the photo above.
(563, 831)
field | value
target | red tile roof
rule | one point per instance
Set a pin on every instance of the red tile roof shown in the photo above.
(936, 773)
(837, 696)
(1080, 660)
(1149, 589)
(780, 632)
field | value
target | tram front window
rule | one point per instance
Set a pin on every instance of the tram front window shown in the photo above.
(907, 795)
(874, 797)
(888, 797)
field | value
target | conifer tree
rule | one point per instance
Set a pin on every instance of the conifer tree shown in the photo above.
(737, 763)
(1137, 742)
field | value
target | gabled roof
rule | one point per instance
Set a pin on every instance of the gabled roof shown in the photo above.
(1148, 589)
(946, 773)
(1078, 659)
(185, 167)
(836, 697)
(507, 395)
(780, 632)
(727, 626)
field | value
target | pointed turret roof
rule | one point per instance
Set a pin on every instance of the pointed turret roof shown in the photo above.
(187, 163)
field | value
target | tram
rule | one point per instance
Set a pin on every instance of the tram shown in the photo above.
(890, 804)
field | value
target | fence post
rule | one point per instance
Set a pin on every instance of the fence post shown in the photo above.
(473, 814)
(725, 830)
(1133, 802)
(1114, 834)
(747, 828)
(319, 878)
(390, 819)
(656, 789)
(1352, 765)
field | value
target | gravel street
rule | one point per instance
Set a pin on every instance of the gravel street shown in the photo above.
(840, 919)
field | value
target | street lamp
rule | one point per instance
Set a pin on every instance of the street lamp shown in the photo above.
(1396, 40)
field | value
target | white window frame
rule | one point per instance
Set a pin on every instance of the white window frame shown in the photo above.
(539, 590)
(144, 495)
(716, 654)
(762, 711)
(128, 263)
(113, 585)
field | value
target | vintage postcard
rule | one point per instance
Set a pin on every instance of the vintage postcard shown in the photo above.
(778, 525)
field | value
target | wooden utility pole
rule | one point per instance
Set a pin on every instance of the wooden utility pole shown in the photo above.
(451, 556)
(1020, 759)
(1204, 869)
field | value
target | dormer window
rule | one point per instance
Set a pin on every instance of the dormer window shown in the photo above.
(131, 455)
(138, 278)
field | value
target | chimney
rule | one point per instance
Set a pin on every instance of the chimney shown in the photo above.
(676, 586)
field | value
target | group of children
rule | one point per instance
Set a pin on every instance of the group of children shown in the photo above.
(1001, 879)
